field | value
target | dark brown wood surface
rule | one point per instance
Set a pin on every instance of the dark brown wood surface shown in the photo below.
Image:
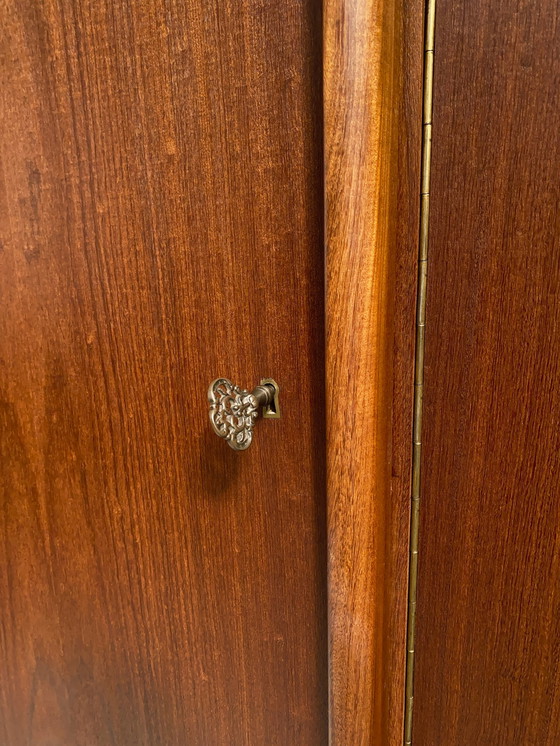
(488, 656)
(372, 73)
(161, 225)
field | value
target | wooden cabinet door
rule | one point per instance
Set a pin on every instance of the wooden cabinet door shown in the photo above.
(161, 225)
(488, 657)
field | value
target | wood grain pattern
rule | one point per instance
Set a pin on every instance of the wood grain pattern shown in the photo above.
(161, 224)
(488, 661)
(372, 89)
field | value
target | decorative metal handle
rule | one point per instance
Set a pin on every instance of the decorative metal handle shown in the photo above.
(233, 410)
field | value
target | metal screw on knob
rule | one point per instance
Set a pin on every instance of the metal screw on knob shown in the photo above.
(233, 410)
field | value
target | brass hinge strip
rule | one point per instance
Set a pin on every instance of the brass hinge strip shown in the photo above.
(419, 361)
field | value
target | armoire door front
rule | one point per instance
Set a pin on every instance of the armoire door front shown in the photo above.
(161, 226)
(488, 626)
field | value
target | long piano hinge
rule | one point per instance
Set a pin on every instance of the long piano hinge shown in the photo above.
(419, 361)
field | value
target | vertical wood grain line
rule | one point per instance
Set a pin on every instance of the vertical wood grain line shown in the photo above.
(419, 362)
(362, 70)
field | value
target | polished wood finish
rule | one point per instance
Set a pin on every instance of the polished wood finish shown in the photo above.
(488, 667)
(161, 224)
(372, 89)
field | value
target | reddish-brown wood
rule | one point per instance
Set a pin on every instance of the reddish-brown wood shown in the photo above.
(372, 82)
(161, 224)
(488, 664)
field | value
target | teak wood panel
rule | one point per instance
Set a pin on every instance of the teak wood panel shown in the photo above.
(372, 89)
(161, 225)
(488, 661)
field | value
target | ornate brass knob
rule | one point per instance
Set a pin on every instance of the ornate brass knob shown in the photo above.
(233, 411)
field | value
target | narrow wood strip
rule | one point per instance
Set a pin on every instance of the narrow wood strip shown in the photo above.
(372, 92)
